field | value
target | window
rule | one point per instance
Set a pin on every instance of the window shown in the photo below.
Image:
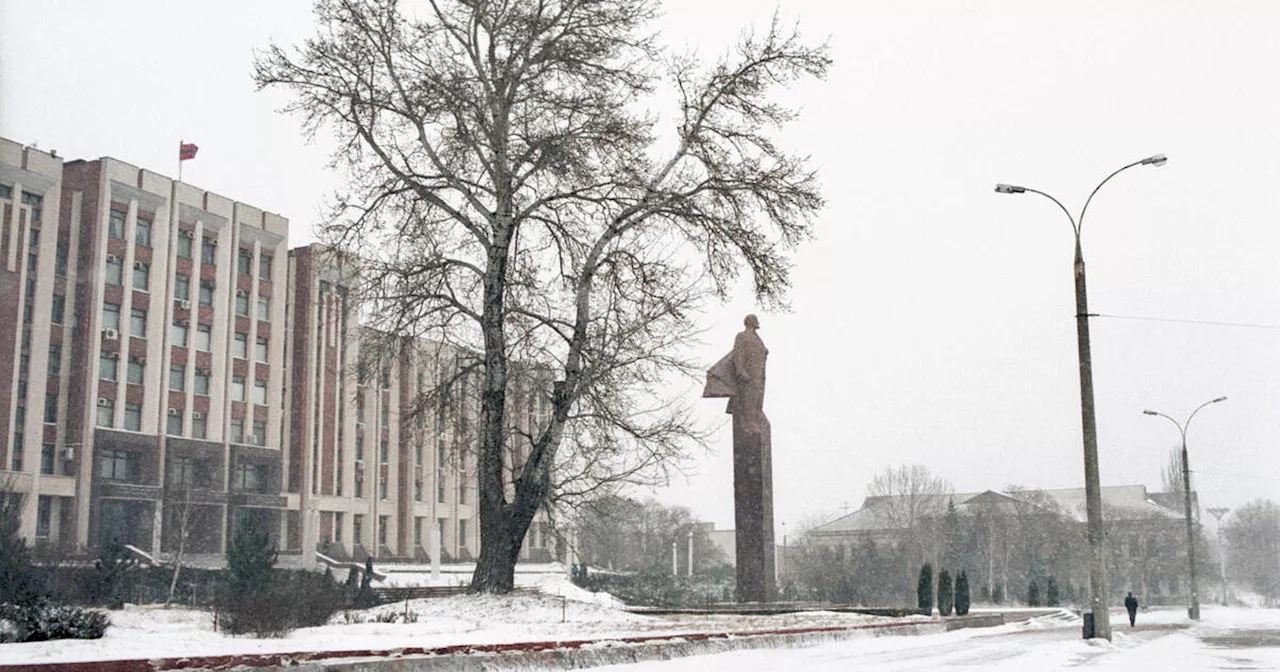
(182, 472)
(208, 251)
(16, 462)
(260, 392)
(237, 430)
(385, 414)
(106, 413)
(264, 266)
(6, 191)
(51, 408)
(382, 487)
(182, 287)
(178, 334)
(20, 416)
(440, 489)
(264, 308)
(242, 303)
(31, 287)
(462, 533)
(417, 530)
(60, 260)
(184, 244)
(55, 360)
(462, 487)
(110, 316)
(178, 377)
(201, 382)
(199, 426)
(337, 526)
(115, 271)
(138, 322)
(44, 516)
(136, 367)
(115, 224)
(359, 493)
(384, 451)
(259, 433)
(357, 528)
(36, 202)
(46, 458)
(142, 232)
(141, 275)
(206, 292)
(417, 491)
(107, 365)
(260, 349)
(244, 262)
(250, 477)
(359, 447)
(59, 308)
(237, 388)
(173, 427)
(204, 337)
(382, 529)
(240, 347)
(133, 417)
(32, 258)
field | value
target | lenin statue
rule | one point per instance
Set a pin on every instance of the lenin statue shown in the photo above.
(740, 376)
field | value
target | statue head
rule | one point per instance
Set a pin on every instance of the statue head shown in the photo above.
(751, 322)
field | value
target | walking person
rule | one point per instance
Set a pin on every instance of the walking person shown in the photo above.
(1131, 605)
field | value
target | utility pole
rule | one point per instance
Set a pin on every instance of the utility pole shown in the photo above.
(1218, 512)
(1098, 589)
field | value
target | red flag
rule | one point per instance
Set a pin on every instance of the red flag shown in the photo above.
(187, 150)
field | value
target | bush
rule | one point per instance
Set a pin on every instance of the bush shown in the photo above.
(1033, 594)
(945, 597)
(924, 588)
(962, 594)
(113, 574)
(19, 583)
(39, 623)
(1051, 593)
(661, 590)
(291, 600)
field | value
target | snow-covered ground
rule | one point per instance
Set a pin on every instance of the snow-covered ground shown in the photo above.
(1226, 639)
(561, 612)
(1237, 638)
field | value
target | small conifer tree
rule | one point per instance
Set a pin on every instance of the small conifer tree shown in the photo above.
(946, 598)
(1051, 593)
(1033, 594)
(962, 594)
(924, 588)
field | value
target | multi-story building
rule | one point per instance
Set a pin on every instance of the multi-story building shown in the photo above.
(169, 367)
(382, 436)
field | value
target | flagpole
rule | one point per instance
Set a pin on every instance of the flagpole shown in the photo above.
(180, 143)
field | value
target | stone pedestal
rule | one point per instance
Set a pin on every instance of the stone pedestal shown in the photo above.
(753, 507)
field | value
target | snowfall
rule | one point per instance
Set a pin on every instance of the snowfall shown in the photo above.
(1227, 638)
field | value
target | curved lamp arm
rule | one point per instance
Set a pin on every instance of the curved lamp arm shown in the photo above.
(1154, 160)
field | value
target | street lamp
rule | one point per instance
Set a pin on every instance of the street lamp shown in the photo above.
(1092, 487)
(1218, 512)
(1193, 611)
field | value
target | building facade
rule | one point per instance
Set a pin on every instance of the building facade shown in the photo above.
(175, 368)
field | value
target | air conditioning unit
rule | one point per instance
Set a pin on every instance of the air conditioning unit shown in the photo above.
(113, 355)
(69, 453)
(103, 401)
(175, 411)
(197, 415)
(139, 265)
(184, 304)
(111, 259)
(111, 334)
(241, 292)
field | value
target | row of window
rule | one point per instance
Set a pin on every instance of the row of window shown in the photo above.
(179, 331)
(357, 528)
(184, 472)
(174, 425)
(186, 241)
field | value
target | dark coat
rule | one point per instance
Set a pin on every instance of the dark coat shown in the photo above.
(1131, 603)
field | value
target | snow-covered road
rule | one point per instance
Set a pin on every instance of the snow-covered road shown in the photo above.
(1227, 639)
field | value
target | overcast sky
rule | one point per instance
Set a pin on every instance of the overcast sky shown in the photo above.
(932, 319)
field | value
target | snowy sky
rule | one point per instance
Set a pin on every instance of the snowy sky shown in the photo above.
(931, 319)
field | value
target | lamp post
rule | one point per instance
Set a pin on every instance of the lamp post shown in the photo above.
(1218, 512)
(1193, 611)
(1092, 487)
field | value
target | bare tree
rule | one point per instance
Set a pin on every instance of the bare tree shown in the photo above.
(507, 194)
(1171, 475)
(906, 498)
(181, 501)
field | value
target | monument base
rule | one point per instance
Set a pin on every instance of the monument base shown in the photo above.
(753, 500)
